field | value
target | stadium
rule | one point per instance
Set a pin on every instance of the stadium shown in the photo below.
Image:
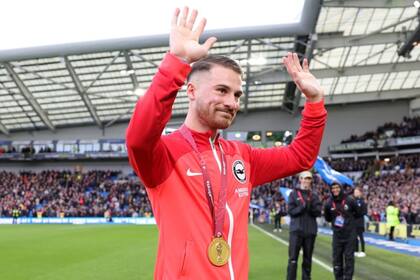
(80, 198)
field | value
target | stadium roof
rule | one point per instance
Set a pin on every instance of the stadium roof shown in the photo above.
(352, 47)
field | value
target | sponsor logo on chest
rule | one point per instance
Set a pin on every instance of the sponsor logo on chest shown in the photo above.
(241, 192)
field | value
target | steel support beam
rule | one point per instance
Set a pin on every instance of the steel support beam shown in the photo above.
(28, 96)
(373, 96)
(133, 76)
(291, 93)
(248, 77)
(368, 4)
(4, 129)
(278, 75)
(82, 92)
(337, 40)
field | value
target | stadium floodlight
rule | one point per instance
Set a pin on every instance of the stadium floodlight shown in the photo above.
(58, 28)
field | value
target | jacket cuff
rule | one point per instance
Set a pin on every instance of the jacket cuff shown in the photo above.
(314, 109)
(178, 68)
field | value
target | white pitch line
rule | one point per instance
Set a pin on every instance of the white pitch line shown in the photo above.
(315, 260)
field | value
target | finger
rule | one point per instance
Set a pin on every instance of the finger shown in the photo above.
(175, 17)
(200, 28)
(306, 65)
(297, 62)
(290, 64)
(286, 63)
(183, 18)
(209, 42)
(191, 20)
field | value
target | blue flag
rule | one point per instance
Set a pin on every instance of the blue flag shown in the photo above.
(329, 175)
(285, 192)
(253, 205)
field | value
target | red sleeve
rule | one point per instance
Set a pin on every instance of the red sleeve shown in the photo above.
(274, 163)
(146, 150)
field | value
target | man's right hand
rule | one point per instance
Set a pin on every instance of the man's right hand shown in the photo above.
(183, 40)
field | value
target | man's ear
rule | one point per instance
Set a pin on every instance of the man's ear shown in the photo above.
(191, 91)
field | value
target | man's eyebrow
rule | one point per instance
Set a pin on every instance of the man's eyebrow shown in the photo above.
(228, 87)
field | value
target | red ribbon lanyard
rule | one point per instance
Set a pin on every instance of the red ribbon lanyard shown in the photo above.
(342, 204)
(301, 197)
(219, 213)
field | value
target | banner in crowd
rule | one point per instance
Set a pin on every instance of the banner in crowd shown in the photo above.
(330, 175)
(253, 205)
(80, 221)
(285, 192)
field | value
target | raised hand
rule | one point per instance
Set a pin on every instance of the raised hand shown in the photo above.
(183, 40)
(304, 80)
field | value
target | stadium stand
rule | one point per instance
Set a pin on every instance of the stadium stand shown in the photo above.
(72, 194)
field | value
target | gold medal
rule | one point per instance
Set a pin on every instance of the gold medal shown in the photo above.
(218, 251)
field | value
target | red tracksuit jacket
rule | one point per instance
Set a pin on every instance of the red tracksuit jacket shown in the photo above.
(171, 172)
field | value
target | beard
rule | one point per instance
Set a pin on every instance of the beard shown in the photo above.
(216, 119)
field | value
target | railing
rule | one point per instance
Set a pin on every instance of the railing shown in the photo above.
(372, 145)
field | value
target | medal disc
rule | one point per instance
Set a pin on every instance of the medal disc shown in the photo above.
(218, 251)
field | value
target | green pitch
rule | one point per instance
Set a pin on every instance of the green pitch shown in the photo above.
(128, 252)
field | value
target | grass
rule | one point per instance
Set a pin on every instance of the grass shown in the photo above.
(54, 252)
(379, 263)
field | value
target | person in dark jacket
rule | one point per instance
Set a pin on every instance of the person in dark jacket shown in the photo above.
(360, 223)
(303, 207)
(341, 210)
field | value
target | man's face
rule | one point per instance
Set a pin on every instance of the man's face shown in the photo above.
(216, 96)
(305, 183)
(335, 189)
(357, 193)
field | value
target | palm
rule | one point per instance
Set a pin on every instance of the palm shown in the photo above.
(304, 80)
(185, 44)
(308, 84)
(183, 40)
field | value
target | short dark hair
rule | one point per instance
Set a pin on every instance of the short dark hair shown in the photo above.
(206, 63)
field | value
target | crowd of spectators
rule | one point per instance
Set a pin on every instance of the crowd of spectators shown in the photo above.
(72, 194)
(396, 179)
(91, 194)
(372, 165)
(408, 127)
(401, 187)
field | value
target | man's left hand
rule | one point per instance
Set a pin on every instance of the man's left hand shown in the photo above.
(304, 80)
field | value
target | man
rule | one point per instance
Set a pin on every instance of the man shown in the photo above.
(198, 183)
(279, 210)
(341, 210)
(360, 223)
(16, 214)
(303, 207)
(392, 218)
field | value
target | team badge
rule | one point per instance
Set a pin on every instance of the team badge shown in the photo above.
(238, 169)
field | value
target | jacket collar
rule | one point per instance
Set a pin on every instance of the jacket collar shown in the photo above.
(203, 137)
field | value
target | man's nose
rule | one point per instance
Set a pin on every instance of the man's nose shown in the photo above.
(232, 102)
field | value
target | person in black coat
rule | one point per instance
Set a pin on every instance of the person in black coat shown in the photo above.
(303, 207)
(360, 223)
(341, 210)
